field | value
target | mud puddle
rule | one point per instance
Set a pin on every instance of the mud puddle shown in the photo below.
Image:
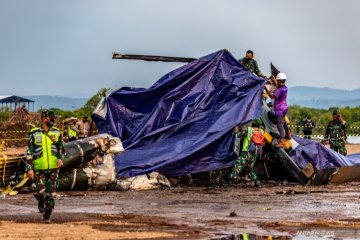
(292, 234)
(247, 236)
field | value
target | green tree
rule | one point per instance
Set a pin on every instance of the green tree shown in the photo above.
(91, 104)
(5, 115)
(94, 100)
(86, 110)
(321, 118)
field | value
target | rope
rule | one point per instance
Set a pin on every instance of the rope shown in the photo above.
(9, 132)
(22, 131)
(5, 160)
(322, 136)
(14, 131)
(14, 139)
(299, 126)
(11, 158)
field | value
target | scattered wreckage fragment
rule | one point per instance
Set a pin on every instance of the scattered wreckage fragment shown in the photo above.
(78, 154)
(82, 151)
(89, 162)
(309, 162)
(92, 167)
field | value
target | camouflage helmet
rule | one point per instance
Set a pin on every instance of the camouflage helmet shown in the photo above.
(47, 113)
(258, 121)
(336, 112)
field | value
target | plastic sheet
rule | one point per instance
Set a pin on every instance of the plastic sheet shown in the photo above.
(184, 122)
(321, 157)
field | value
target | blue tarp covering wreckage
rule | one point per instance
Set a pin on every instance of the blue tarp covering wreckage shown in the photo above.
(184, 122)
(319, 156)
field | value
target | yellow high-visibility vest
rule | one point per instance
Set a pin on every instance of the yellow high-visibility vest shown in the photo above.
(45, 150)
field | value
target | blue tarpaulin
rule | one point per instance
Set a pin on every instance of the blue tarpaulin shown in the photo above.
(321, 157)
(184, 122)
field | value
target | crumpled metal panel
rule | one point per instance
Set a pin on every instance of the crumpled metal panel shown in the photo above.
(82, 151)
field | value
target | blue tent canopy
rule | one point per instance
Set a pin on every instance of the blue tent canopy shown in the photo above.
(184, 122)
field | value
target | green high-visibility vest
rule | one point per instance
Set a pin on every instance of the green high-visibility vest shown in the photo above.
(71, 133)
(247, 139)
(45, 150)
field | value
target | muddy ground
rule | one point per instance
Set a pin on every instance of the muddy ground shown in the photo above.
(277, 209)
(189, 213)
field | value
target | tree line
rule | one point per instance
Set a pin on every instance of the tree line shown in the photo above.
(296, 114)
(86, 110)
(321, 117)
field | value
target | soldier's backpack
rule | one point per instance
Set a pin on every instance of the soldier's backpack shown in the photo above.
(258, 138)
(257, 141)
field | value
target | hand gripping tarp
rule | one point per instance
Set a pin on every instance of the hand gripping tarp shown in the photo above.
(184, 122)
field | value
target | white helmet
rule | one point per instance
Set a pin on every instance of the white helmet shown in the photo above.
(281, 76)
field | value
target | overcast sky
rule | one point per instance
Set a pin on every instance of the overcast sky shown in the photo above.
(65, 47)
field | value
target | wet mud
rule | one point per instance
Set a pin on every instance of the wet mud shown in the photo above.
(190, 213)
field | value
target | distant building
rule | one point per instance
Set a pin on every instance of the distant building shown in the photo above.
(13, 102)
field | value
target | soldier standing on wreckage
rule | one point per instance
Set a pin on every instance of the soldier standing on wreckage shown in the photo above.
(336, 133)
(250, 63)
(251, 151)
(43, 160)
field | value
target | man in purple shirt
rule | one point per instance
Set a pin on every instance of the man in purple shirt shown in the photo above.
(280, 105)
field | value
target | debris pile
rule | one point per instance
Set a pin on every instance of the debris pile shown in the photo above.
(21, 115)
(14, 134)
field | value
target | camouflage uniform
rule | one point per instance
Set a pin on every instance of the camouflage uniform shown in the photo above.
(45, 181)
(45, 184)
(245, 161)
(245, 164)
(336, 134)
(252, 66)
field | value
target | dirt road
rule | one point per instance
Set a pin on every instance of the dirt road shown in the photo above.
(189, 213)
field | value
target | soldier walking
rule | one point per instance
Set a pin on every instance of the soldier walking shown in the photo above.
(336, 133)
(43, 159)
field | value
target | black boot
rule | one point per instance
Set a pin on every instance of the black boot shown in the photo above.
(231, 182)
(46, 216)
(41, 201)
(257, 183)
(41, 206)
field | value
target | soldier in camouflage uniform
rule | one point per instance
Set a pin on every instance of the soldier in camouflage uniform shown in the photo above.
(249, 62)
(246, 160)
(43, 160)
(336, 133)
